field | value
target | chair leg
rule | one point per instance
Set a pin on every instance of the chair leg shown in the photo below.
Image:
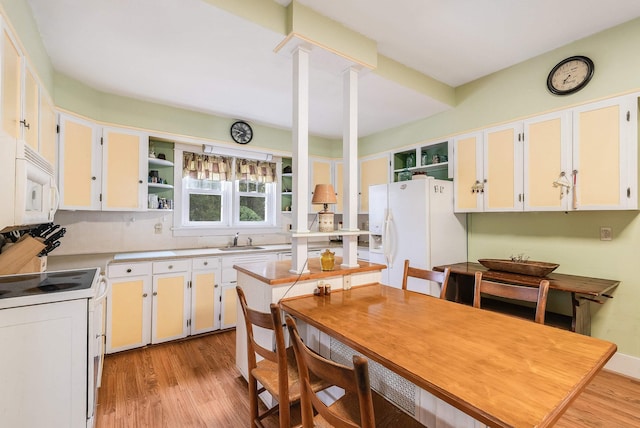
(253, 401)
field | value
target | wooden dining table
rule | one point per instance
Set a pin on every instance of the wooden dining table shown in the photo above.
(501, 370)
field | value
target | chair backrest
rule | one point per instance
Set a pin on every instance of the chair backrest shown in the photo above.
(537, 295)
(354, 380)
(441, 278)
(270, 321)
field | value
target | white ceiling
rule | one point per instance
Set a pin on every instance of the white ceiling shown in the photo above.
(189, 54)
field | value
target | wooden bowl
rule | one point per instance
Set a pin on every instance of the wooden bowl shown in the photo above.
(529, 267)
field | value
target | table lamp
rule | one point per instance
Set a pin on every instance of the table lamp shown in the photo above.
(324, 194)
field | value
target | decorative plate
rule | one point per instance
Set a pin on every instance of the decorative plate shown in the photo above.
(528, 267)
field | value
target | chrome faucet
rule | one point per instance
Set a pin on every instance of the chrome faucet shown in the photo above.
(235, 240)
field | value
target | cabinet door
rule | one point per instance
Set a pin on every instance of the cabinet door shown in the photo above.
(79, 157)
(605, 155)
(47, 129)
(503, 168)
(11, 86)
(31, 110)
(320, 174)
(372, 171)
(467, 178)
(124, 170)
(170, 307)
(547, 162)
(128, 313)
(229, 306)
(205, 301)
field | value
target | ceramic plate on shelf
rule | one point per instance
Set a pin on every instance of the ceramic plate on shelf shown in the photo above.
(528, 267)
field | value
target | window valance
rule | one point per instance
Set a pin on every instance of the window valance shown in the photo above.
(206, 167)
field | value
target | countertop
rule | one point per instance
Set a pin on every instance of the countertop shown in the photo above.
(278, 273)
(203, 252)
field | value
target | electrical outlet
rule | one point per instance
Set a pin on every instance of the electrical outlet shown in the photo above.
(606, 234)
(346, 282)
(158, 228)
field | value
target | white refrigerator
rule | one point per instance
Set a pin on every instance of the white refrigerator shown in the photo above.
(414, 220)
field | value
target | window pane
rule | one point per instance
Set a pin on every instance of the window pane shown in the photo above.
(205, 207)
(193, 183)
(252, 208)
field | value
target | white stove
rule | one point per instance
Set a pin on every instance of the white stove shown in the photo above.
(52, 341)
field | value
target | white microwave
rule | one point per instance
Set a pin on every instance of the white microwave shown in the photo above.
(36, 195)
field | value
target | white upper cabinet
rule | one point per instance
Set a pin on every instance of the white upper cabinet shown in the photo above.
(502, 165)
(468, 174)
(605, 155)
(547, 162)
(585, 158)
(11, 88)
(101, 168)
(124, 170)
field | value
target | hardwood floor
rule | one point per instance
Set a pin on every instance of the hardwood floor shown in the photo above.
(195, 383)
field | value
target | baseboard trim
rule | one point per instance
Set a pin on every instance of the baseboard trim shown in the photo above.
(625, 365)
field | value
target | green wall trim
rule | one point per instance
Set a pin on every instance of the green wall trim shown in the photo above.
(269, 14)
(406, 76)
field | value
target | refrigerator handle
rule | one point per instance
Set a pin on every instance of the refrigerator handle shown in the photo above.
(386, 243)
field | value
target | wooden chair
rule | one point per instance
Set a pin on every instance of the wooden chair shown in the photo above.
(277, 372)
(537, 295)
(358, 407)
(441, 278)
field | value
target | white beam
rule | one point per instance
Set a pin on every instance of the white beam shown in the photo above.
(350, 157)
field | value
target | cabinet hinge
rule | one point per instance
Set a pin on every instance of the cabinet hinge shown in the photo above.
(101, 141)
(628, 116)
(57, 129)
(628, 192)
(189, 323)
(188, 284)
(100, 197)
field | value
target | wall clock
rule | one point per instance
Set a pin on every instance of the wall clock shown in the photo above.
(570, 75)
(241, 132)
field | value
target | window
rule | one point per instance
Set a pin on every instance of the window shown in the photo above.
(219, 192)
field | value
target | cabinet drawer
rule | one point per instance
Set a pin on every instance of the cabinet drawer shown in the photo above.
(206, 263)
(122, 270)
(171, 266)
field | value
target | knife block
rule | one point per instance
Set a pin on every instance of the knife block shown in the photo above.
(22, 257)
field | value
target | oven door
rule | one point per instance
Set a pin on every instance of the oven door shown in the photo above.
(96, 348)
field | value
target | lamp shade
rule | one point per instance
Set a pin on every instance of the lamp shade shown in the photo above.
(324, 194)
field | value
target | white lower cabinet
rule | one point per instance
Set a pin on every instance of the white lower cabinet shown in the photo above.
(171, 300)
(155, 302)
(128, 306)
(205, 295)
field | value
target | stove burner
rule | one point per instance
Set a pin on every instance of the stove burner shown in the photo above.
(48, 288)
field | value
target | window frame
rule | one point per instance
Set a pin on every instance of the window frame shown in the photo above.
(230, 204)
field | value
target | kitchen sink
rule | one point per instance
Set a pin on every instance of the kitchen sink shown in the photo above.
(243, 248)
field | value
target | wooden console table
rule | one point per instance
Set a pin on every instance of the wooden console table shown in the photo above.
(583, 289)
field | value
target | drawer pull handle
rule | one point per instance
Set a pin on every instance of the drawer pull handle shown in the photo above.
(129, 270)
(170, 266)
(206, 263)
(215, 286)
(145, 295)
(155, 293)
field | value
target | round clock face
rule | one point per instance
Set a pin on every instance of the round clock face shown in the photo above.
(570, 75)
(241, 132)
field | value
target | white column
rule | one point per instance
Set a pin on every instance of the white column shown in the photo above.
(300, 179)
(350, 156)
